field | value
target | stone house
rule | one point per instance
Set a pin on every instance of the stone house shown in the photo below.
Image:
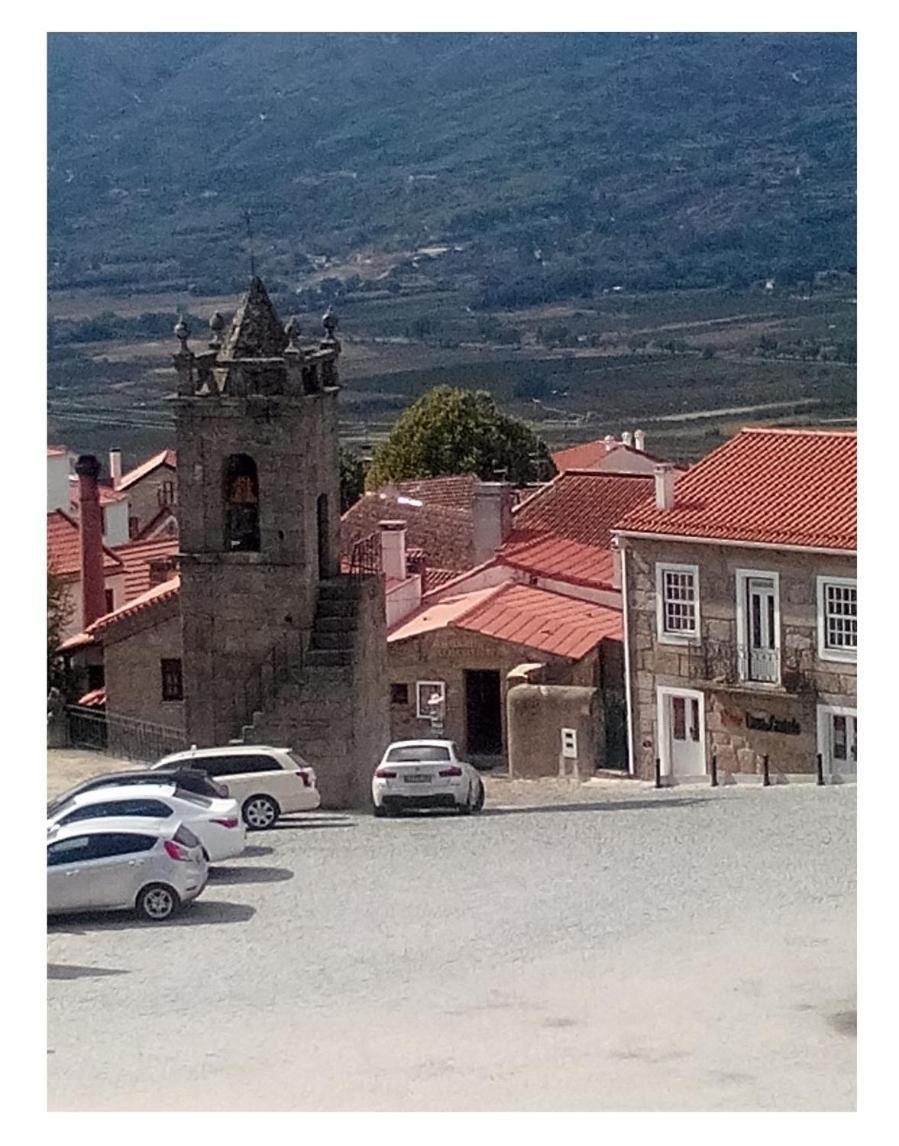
(548, 598)
(627, 455)
(740, 610)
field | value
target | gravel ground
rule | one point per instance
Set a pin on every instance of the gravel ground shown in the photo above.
(576, 947)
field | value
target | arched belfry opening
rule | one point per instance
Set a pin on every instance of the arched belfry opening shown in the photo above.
(241, 504)
(324, 557)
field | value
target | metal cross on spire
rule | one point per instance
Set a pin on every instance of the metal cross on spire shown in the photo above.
(246, 216)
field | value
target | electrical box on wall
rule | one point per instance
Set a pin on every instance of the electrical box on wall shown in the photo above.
(569, 744)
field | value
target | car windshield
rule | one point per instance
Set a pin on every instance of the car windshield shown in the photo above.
(418, 753)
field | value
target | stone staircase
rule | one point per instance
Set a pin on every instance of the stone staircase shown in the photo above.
(322, 706)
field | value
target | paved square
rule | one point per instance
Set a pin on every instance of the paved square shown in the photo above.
(688, 949)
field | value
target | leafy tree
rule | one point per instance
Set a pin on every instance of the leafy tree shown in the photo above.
(454, 431)
(352, 478)
(59, 609)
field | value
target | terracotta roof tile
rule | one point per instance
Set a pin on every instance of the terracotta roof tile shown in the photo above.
(444, 534)
(768, 486)
(546, 555)
(163, 458)
(64, 546)
(108, 495)
(453, 492)
(165, 591)
(522, 615)
(592, 455)
(581, 506)
(136, 557)
(96, 698)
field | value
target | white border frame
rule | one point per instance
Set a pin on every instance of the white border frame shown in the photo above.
(743, 634)
(663, 637)
(845, 656)
(440, 685)
(823, 714)
(663, 691)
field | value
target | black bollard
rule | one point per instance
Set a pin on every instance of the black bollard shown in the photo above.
(766, 775)
(658, 772)
(820, 761)
(714, 770)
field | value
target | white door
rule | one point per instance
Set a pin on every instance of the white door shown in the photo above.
(683, 738)
(838, 741)
(761, 636)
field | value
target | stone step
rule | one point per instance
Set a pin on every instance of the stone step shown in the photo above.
(342, 587)
(341, 624)
(327, 658)
(332, 639)
(336, 607)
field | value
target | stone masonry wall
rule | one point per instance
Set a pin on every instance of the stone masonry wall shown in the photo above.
(739, 743)
(133, 670)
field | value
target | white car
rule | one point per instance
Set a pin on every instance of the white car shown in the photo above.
(266, 782)
(425, 774)
(113, 865)
(217, 823)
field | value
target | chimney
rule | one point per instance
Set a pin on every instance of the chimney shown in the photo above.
(664, 475)
(393, 549)
(492, 518)
(93, 595)
(627, 437)
(617, 558)
(639, 440)
(115, 466)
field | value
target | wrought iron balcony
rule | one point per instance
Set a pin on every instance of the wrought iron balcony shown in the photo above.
(731, 664)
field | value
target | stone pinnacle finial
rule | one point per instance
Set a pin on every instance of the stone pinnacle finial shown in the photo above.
(329, 322)
(292, 330)
(182, 333)
(216, 325)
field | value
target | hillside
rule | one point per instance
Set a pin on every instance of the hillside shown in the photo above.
(516, 169)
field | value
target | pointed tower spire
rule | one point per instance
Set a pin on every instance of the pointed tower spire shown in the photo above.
(256, 331)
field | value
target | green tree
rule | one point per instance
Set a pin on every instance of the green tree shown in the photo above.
(352, 478)
(59, 609)
(455, 431)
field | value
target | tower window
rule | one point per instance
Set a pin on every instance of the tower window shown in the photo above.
(241, 490)
(165, 493)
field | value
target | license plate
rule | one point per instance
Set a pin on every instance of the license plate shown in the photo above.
(416, 779)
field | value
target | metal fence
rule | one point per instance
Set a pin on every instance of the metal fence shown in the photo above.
(121, 736)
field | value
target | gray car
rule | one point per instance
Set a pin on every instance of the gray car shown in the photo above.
(117, 864)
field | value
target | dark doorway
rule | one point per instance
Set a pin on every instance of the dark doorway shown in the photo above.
(482, 711)
(241, 491)
(324, 563)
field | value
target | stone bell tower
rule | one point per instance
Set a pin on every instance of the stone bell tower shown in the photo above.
(259, 507)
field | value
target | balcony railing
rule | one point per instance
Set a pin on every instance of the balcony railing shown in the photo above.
(729, 663)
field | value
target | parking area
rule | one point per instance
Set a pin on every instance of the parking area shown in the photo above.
(601, 947)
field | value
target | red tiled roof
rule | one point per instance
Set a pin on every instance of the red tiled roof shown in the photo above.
(136, 557)
(64, 547)
(56, 451)
(453, 492)
(546, 555)
(96, 698)
(163, 458)
(522, 615)
(434, 578)
(768, 486)
(591, 455)
(580, 506)
(108, 495)
(164, 591)
(445, 535)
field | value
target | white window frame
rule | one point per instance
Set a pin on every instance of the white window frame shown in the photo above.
(847, 656)
(743, 577)
(431, 685)
(662, 635)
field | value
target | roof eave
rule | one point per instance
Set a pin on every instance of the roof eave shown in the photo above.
(735, 543)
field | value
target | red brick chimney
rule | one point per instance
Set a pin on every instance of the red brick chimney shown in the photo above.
(93, 594)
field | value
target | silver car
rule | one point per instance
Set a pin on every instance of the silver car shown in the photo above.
(114, 864)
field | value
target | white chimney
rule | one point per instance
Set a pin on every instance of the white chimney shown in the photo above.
(393, 549)
(639, 440)
(491, 518)
(627, 437)
(617, 557)
(115, 467)
(609, 439)
(664, 475)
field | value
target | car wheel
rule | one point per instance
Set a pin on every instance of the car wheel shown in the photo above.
(379, 811)
(157, 902)
(479, 799)
(259, 812)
